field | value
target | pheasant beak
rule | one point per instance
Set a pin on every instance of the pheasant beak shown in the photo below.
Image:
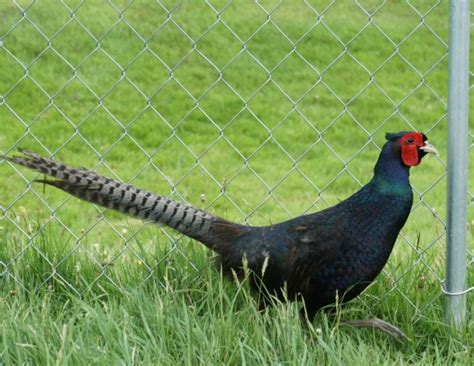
(428, 148)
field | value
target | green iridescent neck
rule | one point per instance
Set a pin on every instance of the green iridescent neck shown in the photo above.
(390, 174)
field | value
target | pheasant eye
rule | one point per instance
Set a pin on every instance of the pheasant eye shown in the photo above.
(410, 140)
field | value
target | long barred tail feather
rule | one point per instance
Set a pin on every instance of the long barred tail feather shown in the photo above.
(92, 187)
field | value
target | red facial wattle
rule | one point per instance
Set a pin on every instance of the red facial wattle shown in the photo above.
(410, 144)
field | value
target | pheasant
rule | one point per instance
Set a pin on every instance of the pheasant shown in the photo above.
(317, 258)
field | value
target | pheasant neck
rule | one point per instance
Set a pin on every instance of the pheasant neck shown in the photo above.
(390, 174)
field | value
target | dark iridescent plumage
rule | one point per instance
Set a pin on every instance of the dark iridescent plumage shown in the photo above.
(335, 252)
(338, 250)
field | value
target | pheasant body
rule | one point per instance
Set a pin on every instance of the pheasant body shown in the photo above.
(318, 257)
(338, 250)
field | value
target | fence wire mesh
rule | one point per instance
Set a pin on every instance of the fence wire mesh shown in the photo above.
(257, 111)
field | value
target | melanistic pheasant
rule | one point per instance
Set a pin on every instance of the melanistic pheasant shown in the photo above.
(335, 252)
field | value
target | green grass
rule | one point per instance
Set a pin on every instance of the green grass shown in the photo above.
(180, 317)
(223, 136)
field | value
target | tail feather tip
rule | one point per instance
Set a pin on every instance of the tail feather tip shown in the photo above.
(28, 152)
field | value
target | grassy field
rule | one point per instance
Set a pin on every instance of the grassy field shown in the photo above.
(255, 121)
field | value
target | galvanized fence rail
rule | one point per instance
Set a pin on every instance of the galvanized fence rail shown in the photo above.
(458, 131)
(29, 25)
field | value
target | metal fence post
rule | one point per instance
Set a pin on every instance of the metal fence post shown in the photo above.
(458, 114)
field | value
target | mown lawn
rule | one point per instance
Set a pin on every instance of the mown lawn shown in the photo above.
(255, 113)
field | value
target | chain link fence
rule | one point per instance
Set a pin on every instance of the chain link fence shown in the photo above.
(257, 111)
